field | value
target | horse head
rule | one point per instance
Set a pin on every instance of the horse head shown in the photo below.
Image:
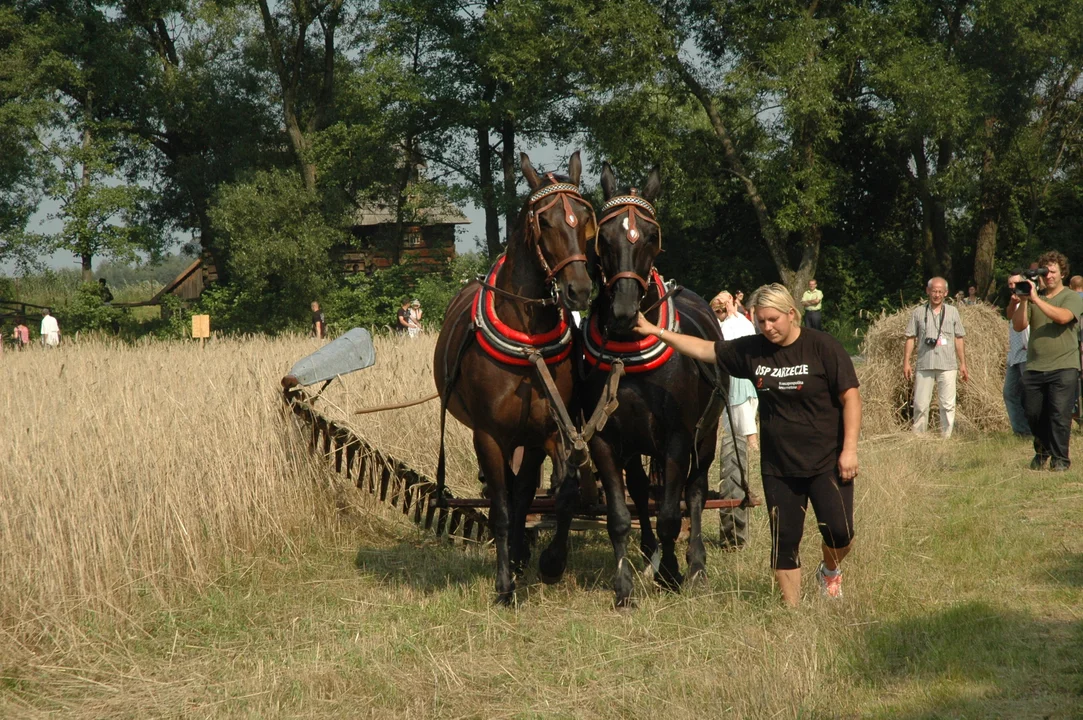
(629, 239)
(560, 224)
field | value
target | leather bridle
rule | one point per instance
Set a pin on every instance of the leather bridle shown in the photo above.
(636, 207)
(563, 193)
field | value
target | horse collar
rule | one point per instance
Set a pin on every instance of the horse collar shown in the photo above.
(507, 345)
(642, 355)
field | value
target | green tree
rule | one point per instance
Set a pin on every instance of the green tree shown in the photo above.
(279, 242)
(101, 217)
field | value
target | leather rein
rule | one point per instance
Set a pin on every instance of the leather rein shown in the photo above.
(636, 207)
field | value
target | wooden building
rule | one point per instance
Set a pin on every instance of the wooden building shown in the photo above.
(428, 238)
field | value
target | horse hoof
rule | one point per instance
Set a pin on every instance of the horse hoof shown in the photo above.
(671, 582)
(505, 599)
(697, 577)
(550, 568)
(625, 603)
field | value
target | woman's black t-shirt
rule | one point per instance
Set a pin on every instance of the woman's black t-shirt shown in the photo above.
(799, 387)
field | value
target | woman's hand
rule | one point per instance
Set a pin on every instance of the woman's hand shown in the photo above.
(645, 327)
(848, 465)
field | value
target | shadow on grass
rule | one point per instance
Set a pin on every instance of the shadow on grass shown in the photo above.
(435, 566)
(429, 567)
(1068, 571)
(956, 654)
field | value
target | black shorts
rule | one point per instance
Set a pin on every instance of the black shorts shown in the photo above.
(787, 504)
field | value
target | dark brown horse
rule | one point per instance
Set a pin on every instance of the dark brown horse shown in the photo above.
(669, 403)
(483, 377)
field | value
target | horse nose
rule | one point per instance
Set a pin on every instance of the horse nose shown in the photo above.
(577, 295)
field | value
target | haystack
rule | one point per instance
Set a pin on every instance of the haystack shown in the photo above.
(979, 403)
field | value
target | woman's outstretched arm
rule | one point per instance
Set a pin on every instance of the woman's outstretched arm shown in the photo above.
(684, 344)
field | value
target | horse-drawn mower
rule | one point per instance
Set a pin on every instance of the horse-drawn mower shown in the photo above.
(461, 519)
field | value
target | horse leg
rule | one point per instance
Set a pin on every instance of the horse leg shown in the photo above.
(678, 457)
(522, 488)
(491, 462)
(554, 559)
(618, 519)
(695, 495)
(639, 488)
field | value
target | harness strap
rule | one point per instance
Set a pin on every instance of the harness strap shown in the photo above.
(632, 275)
(557, 409)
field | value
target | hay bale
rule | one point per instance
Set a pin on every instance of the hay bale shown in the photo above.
(979, 403)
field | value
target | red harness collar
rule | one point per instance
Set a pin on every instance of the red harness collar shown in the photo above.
(508, 345)
(642, 355)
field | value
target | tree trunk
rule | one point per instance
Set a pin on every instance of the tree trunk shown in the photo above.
(289, 71)
(507, 162)
(988, 218)
(935, 244)
(811, 238)
(776, 243)
(488, 191)
(87, 255)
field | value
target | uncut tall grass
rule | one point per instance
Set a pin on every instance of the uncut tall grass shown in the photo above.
(131, 471)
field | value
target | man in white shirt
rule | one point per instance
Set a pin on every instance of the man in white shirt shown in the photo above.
(739, 437)
(937, 331)
(50, 330)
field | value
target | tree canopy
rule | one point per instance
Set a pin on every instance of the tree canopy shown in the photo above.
(869, 144)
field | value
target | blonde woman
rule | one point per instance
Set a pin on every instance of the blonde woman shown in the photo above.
(810, 417)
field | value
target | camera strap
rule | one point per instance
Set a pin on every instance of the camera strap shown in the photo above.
(943, 312)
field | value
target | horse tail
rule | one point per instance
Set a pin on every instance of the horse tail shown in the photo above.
(452, 379)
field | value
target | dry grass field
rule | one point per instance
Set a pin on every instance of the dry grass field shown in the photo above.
(168, 548)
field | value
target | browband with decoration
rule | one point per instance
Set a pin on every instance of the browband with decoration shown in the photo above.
(629, 200)
(507, 345)
(550, 189)
(638, 356)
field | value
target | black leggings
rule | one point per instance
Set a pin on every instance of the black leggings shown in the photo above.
(787, 503)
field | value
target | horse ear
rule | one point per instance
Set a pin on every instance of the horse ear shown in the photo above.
(575, 168)
(653, 188)
(529, 172)
(609, 181)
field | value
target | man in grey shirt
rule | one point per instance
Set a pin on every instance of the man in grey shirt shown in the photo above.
(938, 332)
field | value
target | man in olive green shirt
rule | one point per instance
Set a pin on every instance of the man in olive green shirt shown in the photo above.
(1052, 377)
(813, 302)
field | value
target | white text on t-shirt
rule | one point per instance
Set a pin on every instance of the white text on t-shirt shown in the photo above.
(781, 372)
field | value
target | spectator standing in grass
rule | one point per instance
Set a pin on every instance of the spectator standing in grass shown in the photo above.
(938, 332)
(402, 318)
(971, 296)
(50, 330)
(739, 428)
(1076, 283)
(22, 335)
(813, 302)
(810, 418)
(415, 318)
(1013, 375)
(319, 322)
(1052, 376)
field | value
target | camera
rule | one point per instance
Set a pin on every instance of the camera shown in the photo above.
(1023, 286)
(931, 342)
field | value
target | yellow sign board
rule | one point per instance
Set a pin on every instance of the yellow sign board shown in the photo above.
(201, 327)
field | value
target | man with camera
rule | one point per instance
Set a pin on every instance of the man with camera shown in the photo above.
(1051, 379)
(938, 332)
